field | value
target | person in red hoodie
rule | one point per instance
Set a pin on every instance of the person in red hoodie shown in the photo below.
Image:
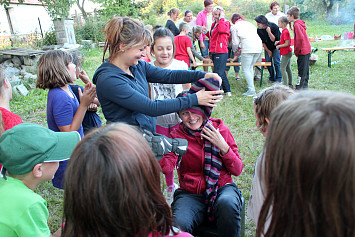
(207, 191)
(218, 35)
(302, 47)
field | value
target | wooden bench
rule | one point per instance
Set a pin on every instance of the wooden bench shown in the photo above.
(259, 65)
(330, 51)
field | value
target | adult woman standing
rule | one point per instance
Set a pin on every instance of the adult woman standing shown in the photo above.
(170, 23)
(122, 80)
(245, 37)
(218, 35)
(205, 19)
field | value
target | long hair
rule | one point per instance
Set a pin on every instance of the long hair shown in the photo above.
(112, 186)
(123, 33)
(53, 69)
(196, 29)
(310, 168)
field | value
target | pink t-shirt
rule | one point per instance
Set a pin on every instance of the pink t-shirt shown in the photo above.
(181, 44)
(285, 35)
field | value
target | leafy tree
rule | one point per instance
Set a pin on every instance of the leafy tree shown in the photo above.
(80, 5)
(57, 8)
(131, 8)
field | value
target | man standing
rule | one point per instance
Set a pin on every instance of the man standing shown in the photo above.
(275, 13)
(269, 33)
(188, 18)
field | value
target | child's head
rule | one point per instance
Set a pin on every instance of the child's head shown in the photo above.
(30, 148)
(184, 27)
(282, 22)
(310, 167)
(293, 14)
(112, 186)
(266, 101)
(5, 86)
(163, 47)
(55, 69)
(196, 32)
(123, 33)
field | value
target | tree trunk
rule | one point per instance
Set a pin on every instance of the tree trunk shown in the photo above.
(81, 8)
(328, 7)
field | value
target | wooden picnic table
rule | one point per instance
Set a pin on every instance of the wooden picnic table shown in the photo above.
(259, 65)
(330, 51)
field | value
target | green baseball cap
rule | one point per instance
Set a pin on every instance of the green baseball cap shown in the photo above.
(27, 144)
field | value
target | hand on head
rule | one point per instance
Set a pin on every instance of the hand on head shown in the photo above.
(209, 98)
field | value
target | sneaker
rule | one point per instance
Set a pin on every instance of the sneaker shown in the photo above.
(169, 193)
(249, 93)
(229, 94)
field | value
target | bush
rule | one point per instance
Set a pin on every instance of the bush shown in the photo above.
(91, 30)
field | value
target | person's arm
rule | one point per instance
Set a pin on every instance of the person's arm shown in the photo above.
(199, 22)
(189, 52)
(286, 44)
(193, 50)
(267, 50)
(271, 35)
(223, 26)
(86, 98)
(235, 39)
(224, 140)
(168, 163)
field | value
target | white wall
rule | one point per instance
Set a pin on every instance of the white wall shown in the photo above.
(24, 19)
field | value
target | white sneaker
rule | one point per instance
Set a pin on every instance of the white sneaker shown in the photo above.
(229, 93)
(169, 193)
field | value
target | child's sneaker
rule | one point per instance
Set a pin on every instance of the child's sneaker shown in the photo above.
(169, 193)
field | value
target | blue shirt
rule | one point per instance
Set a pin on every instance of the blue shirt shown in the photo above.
(125, 98)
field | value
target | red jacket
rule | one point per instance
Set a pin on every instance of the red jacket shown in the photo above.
(302, 45)
(219, 37)
(191, 169)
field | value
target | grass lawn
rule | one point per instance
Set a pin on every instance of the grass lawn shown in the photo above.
(236, 111)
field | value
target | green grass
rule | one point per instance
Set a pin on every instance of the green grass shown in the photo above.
(236, 111)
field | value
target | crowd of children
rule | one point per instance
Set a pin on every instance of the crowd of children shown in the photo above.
(112, 171)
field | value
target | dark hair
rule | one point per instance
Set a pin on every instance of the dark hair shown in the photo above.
(267, 100)
(310, 168)
(207, 3)
(262, 19)
(274, 4)
(53, 70)
(294, 11)
(162, 33)
(156, 27)
(187, 12)
(236, 16)
(112, 186)
(127, 31)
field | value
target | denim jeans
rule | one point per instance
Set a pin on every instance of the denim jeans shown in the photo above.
(219, 64)
(275, 65)
(190, 210)
(286, 69)
(248, 60)
(204, 52)
(231, 55)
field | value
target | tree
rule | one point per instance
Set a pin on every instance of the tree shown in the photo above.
(57, 8)
(81, 8)
(7, 2)
(328, 5)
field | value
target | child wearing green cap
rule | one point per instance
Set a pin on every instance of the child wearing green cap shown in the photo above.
(30, 155)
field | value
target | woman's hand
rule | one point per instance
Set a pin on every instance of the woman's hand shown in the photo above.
(84, 77)
(215, 76)
(209, 98)
(214, 136)
(89, 94)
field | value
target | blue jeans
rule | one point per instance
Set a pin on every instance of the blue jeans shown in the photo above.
(275, 65)
(204, 52)
(231, 55)
(190, 210)
(219, 66)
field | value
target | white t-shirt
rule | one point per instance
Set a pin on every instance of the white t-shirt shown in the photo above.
(168, 91)
(245, 36)
(274, 18)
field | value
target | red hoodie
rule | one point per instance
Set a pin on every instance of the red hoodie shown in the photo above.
(219, 37)
(302, 45)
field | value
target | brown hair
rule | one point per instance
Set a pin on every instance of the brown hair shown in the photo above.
(274, 4)
(53, 70)
(196, 29)
(236, 16)
(183, 26)
(207, 3)
(294, 11)
(123, 33)
(284, 20)
(267, 100)
(112, 186)
(310, 168)
(173, 10)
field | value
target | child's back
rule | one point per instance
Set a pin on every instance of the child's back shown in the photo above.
(181, 44)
